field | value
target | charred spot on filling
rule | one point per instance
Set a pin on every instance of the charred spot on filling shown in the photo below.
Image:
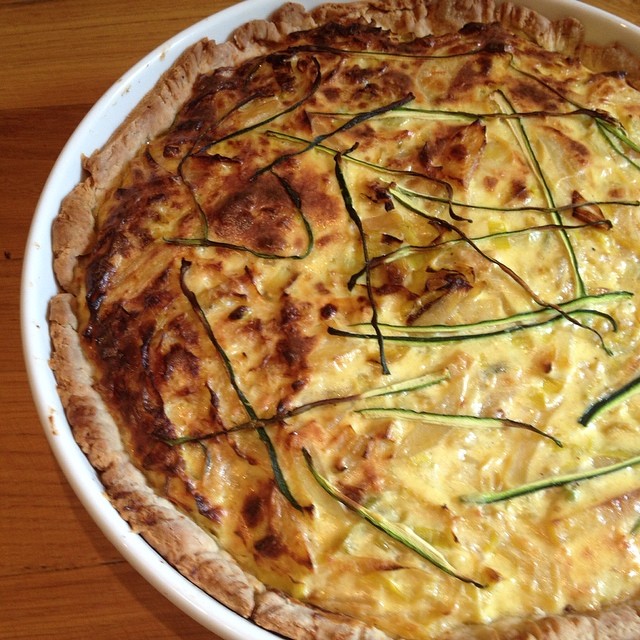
(519, 190)
(270, 546)
(376, 81)
(531, 95)
(490, 182)
(239, 312)
(253, 510)
(473, 73)
(354, 492)
(454, 155)
(328, 311)
(290, 313)
(574, 151)
(394, 279)
(332, 93)
(296, 385)
(293, 346)
(293, 350)
(379, 193)
(177, 360)
(207, 509)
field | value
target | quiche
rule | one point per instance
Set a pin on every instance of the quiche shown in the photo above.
(348, 322)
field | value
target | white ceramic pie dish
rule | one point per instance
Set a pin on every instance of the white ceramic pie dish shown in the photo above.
(38, 286)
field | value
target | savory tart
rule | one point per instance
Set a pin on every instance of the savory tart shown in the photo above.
(349, 322)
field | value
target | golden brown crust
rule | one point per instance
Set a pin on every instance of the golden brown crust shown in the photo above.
(92, 426)
(72, 232)
(611, 59)
(563, 36)
(182, 542)
(399, 16)
(621, 622)
(280, 613)
(437, 17)
(176, 536)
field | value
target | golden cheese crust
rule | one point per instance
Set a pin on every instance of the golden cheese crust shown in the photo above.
(348, 322)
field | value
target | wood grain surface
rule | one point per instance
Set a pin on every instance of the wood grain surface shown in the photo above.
(59, 576)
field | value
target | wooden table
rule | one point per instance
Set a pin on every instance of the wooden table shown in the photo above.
(59, 576)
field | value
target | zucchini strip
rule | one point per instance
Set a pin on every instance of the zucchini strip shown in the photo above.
(491, 497)
(399, 532)
(409, 250)
(355, 218)
(403, 386)
(431, 339)
(466, 116)
(619, 133)
(413, 384)
(515, 321)
(614, 137)
(610, 401)
(349, 124)
(446, 420)
(533, 208)
(281, 135)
